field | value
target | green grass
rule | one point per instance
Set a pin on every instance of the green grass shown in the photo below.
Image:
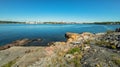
(9, 64)
(116, 60)
(73, 50)
(76, 62)
(77, 58)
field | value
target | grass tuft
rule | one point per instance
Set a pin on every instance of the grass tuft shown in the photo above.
(116, 60)
(73, 50)
(9, 64)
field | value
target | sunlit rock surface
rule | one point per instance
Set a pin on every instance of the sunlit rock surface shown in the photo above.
(80, 50)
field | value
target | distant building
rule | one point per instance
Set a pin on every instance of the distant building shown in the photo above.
(32, 22)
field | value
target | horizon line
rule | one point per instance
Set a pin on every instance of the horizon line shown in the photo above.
(61, 21)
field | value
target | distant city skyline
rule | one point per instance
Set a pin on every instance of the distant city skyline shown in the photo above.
(60, 10)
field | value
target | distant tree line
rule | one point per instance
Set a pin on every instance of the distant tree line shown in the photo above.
(106, 23)
(16, 22)
(11, 22)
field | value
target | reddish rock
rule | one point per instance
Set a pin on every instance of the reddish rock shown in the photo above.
(72, 36)
(16, 43)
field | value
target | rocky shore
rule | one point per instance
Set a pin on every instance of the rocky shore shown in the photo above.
(80, 50)
(22, 42)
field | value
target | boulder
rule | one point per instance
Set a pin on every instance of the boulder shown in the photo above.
(69, 57)
(72, 36)
(88, 36)
(79, 38)
(111, 39)
(117, 30)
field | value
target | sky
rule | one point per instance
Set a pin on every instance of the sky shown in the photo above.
(60, 10)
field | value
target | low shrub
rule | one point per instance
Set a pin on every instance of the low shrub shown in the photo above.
(73, 50)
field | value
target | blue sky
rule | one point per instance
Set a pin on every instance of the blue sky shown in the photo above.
(60, 10)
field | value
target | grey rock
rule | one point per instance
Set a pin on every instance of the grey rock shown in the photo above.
(117, 30)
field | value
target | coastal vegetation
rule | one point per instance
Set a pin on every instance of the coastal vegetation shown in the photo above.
(73, 50)
(116, 59)
(77, 53)
(107, 23)
(11, 22)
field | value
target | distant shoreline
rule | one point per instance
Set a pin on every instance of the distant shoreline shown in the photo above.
(99, 23)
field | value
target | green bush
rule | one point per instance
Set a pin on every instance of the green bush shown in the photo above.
(73, 50)
(77, 57)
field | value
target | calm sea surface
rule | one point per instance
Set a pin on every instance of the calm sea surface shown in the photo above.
(48, 32)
